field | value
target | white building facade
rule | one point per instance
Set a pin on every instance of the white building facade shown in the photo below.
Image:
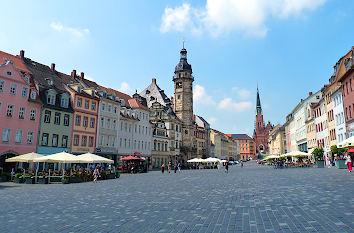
(338, 112)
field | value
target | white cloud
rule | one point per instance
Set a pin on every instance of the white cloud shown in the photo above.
(200, 96)
(74, 31)
(243, 93)
(176, 18)
(124, 87)
(229, 105)
(223, 16)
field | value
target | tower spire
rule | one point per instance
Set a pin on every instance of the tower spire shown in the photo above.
(258, 106)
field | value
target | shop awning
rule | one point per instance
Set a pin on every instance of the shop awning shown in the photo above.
(25, 158)
(131, 158)
(61, 157)
(92, 158)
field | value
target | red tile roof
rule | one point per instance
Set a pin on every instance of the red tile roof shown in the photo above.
(136, 104)
(16, 59)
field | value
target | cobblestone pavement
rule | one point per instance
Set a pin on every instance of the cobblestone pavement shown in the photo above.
(250, 199)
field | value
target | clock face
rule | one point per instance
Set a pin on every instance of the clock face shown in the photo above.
(179, 85)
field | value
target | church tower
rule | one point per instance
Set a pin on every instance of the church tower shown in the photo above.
(183, 100)
(261, 133)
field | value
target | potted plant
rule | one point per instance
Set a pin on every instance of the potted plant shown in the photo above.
(111, 175)
(340, 161)
(75, 178)
(4, 176)
(18, 178)
(65, 180)
(29, 179)
(42, 180)
(318, 154)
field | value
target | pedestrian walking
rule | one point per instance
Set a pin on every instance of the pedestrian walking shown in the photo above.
(227, 167)
(179, 167)
(169, 167)
(96, 173)
(241, 164)
(348, 161)
(176, 167)
(328, 161)
(163, 168)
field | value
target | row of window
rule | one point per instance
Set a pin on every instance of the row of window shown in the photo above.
(108, 108)
(108, 123)
(10, 112)
(84, 141)
(338, 99)
(86, 104)
(55, 140)
(137, 128)
(127, 144)
(332, 134)
(13, 89)
(160, 146)
(310, 127)
(57, 118)
(330, 115)
(6, 136)
(321, 126)
(346, 87)
(85, 122)
(348, 112)
(317, 112)
(340, 118)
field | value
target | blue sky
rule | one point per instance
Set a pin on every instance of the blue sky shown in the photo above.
(287, 47)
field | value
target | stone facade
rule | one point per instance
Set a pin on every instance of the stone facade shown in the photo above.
(183, 104)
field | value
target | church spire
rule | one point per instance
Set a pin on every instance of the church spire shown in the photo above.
(258, 107)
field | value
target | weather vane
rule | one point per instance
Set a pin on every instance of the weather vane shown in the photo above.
(182, 41)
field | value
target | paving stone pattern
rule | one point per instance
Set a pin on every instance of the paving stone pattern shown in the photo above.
(254, 198)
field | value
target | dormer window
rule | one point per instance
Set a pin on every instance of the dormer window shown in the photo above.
(27, 78)
(9, 73)
(33, 95)
(147, 92)
(79, 89)
(123, 102)
(64, 102)
(114, 97)
(51, 97)
(104, 94)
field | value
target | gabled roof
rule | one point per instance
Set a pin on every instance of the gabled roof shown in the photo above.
(45, 77)
(153, 93)
(240, 136)
(16, 59)
(136, 104)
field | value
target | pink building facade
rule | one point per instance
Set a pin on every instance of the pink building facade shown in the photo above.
(19, 113)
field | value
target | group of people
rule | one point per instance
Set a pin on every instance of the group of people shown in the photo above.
(177, 166)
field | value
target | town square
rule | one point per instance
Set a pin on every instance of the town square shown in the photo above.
(177, 116)
(254, 198)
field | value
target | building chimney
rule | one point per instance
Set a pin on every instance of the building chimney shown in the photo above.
(310, 93)
(154, 80)
(52, 67)
(22, 54)
(73, 74)
(82, 76)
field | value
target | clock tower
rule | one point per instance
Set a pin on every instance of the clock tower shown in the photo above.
(183, 102)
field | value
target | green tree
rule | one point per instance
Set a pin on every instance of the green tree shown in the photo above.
(337, 151)
(318, 153)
